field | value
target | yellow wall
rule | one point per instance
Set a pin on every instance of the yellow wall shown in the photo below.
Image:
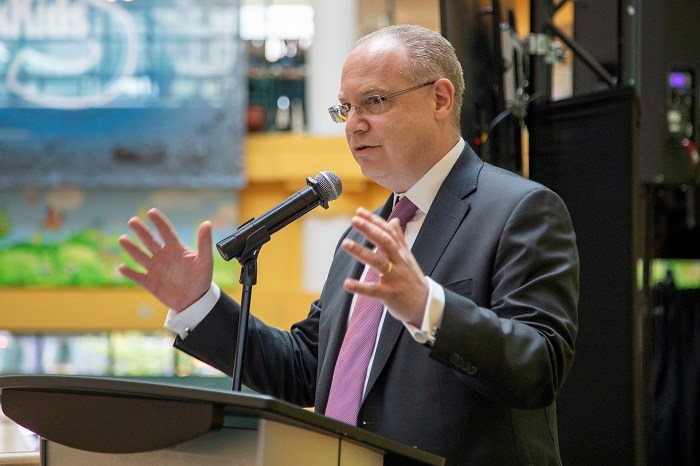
(276, 167)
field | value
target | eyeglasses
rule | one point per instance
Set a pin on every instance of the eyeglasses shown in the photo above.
(374, 105)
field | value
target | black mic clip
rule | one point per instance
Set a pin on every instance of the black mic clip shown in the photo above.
(253, 243)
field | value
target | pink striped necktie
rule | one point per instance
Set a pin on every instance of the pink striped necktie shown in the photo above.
(350, 371)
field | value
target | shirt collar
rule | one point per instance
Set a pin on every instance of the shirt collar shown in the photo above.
(424, 191)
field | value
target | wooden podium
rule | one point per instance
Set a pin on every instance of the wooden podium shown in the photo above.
(100, 421)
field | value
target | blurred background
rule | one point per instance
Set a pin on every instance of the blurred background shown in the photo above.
(216, 109)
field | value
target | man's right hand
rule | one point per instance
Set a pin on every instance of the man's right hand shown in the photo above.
(174, 273)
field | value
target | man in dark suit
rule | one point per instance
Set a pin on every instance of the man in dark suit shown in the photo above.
(478, 297)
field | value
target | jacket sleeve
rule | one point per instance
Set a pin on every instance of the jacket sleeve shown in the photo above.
(517, 347)
(276, 362)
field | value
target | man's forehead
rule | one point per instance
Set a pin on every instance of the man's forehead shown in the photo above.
(364, 84)
(378, 50)
(372, 66)
(381, 45)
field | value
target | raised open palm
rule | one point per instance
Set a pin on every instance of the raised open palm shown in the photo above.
(176, 274)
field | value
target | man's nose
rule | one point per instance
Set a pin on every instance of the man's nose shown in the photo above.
(356, 119)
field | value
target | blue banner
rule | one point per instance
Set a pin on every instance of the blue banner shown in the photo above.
(100, 93)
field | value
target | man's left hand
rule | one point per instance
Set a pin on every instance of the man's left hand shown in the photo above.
(402, 286)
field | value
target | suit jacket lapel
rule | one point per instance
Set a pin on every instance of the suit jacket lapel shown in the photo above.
(447, 212)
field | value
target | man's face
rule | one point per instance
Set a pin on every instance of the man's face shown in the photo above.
(393, 147)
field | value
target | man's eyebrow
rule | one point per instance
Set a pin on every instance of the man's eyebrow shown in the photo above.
(364, 94)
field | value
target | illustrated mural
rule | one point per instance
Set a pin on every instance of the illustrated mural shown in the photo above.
(68, 236)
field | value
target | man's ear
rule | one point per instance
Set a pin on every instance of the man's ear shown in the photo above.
(444, 98)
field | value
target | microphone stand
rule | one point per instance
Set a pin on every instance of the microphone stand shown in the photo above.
(249, 277)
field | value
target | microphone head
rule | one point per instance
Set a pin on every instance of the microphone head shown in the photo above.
(329, 185)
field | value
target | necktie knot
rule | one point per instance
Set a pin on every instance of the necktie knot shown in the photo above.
(404, 210)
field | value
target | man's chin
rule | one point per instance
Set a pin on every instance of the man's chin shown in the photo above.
(378, 177)
(368, 171)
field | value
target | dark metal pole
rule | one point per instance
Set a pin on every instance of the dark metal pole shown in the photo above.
(249, 276)
(540, 71)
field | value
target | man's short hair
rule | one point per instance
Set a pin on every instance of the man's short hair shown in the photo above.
(431, 56)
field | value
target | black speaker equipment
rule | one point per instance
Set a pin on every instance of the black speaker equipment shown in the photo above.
(584, 149)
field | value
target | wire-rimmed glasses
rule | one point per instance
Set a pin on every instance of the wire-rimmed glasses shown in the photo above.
(373, 105)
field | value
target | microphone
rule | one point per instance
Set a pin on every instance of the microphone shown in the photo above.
(250, 236)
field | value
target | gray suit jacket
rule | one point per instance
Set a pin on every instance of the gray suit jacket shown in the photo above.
(504, 249)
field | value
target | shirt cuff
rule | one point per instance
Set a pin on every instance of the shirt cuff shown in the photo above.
(185, 321)
(432, 316)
